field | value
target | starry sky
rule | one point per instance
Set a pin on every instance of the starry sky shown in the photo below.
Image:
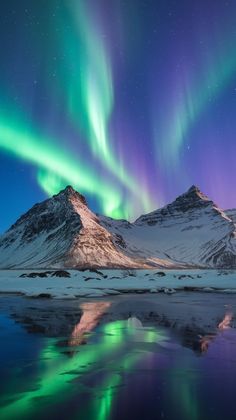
(129, 101)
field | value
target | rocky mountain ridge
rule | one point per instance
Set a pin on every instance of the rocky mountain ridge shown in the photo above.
(190, 230)
(63, 232)
(60, 232)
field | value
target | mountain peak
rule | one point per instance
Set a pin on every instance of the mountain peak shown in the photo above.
(194, 188)
(193, 198)
(195, 192)
(62, 232)
(69, 192)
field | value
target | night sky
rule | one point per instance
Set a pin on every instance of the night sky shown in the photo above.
(129, 101)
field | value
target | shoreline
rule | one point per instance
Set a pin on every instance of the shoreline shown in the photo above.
(74, 284)
(192, 317)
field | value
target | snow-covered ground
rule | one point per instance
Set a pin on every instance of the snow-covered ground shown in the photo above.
(110, 282)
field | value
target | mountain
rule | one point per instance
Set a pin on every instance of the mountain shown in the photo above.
(62, 232)
(231, 214)
(191, 230)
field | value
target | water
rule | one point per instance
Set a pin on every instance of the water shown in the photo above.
(126, 357)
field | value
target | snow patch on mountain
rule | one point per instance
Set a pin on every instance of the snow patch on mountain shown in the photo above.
(231, 214)
(60, 232)
(191, 230)
(63, 232)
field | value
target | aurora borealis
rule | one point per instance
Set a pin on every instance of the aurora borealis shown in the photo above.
(88, 366)
(59, 370)
(130, 102)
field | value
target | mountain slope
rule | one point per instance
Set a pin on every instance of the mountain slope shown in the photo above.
(60, 232)
(231, 214)
(191, 230)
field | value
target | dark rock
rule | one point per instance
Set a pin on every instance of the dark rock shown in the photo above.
(34, 275)
(119, 240)
(42, 275)
(184, 276)
(93, 270)
(90, 278)
(61, 273)
(42, 296)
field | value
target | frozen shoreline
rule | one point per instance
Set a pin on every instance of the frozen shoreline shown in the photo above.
(195, 319)
(100, 283)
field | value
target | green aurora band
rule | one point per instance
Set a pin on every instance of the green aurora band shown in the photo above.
(88, 93)
(88, 89)
(56, 167)
(195, 97)
(57, 379)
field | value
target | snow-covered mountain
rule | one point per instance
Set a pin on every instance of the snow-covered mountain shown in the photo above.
(63, 232)
(191, 230)
(231, 214)
(60, 232)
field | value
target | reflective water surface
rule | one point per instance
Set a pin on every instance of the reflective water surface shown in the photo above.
(134, 357)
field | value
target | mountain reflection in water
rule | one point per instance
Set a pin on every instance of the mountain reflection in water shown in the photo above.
(117, 364)
(91, 314)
